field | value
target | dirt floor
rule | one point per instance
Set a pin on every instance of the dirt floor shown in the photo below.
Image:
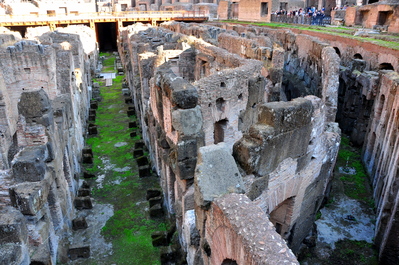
(119, 227)
(346, 223)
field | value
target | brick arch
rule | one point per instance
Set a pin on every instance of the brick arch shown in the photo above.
(227, 245)
(245, 236)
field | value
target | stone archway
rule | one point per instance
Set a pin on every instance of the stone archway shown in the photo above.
(281, 216)
(229, 262)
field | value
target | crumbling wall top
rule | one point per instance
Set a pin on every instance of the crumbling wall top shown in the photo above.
(248, 229)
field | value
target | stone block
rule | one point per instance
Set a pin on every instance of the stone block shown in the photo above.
(85, 185)
(30, 164)
(36, 107)
(87, 150)
(29, 197)
(186, 149)
(216, 174)
(92, 129)
(125, 91)
(82, 203)
(79, 252)
(275, 75)
(159, 238)
(92, 112)
(155, 200)
(286, 116)
(133, 124)
(131, 113)
(88, 175)
(169, 254)
(188, 199)
(257, 187)
(138, 152)
(79, 223)
(151, 193)
(87, 159)
(187, 121)
(94, 104)
(12, 226)
(92, 117)
(144, 171)
(41, 254)
(14, 253)
(142, 161)
(133, 134)
(84, 192)
(128, 100)
(186, 168)
(156, 211)
(358, 65)
(182, 93)
(139, 144)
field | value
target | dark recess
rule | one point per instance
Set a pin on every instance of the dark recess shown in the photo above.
(106, 36)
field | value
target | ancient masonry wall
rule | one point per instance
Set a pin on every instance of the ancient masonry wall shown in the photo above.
(380, 155)
(367, 112)
(45, 88)
(212, 106)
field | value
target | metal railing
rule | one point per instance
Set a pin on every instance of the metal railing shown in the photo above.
(104, 15)
(318, 20)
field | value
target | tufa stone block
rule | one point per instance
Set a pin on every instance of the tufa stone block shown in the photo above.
(156, 211)
(82, 203)
(155, 200)
(151, 193)
(144, 171)
(12, 226)
(84, 192)
(79, 252)
(30, 164)
(29, 197)
(138, 152)
(216, 174)
(79, 223)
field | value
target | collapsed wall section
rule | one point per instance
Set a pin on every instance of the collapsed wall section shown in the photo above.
(44, 106)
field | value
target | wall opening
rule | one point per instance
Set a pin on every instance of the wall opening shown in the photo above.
(51, 13)
(337, 51)
(229, 262)
(385, 66)
(358, 56)
(281, 216)
(203, 69)
(219, 131)
(106, 36)
(264, 9)
(13, 150)
(220, 104)
(383, 17)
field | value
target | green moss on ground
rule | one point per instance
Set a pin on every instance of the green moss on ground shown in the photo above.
(130, 228)
(352, 252)
(356, 186)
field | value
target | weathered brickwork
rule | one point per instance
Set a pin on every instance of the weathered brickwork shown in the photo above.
(44, 99)
(235, 103)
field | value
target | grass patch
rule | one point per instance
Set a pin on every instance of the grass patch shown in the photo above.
(389, 42)
(352, 252)
(130, 228)
(356, 186)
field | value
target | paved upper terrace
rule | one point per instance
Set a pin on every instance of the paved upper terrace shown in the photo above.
(97, 17)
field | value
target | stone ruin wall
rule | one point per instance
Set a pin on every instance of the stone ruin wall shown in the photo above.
(45, 88)
(211, 112)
